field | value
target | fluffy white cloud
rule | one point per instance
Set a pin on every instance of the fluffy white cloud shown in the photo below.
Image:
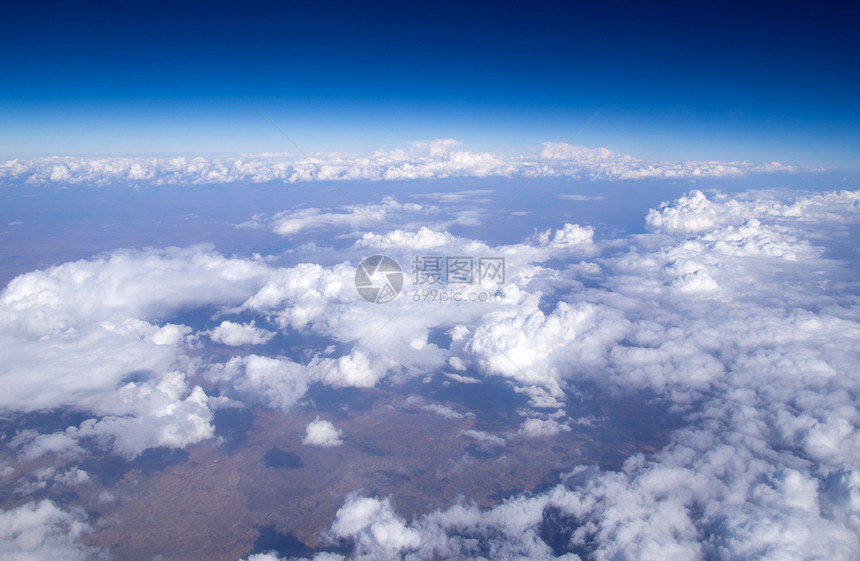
(422, 239)
(277, 382)
(124, 284)
(543, 350)
(539, 428)
(42, 531)
(320, 432)
(694, 212)
(435, 159)
(303, 294)
(375, 526)
(237, 334)
(85, 335)
(571, 235)
(167, 413)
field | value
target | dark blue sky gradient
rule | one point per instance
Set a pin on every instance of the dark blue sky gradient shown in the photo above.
(736, 80)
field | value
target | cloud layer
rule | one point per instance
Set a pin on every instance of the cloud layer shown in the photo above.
(730, 313)
(437, 159)
(732, 316)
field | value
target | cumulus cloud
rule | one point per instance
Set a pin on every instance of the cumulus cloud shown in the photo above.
(423, 238)
(277, 382)
(374, 525)
(571, 235)
(237, 334)
(539, 428)
(42, 531)
(124, 284)
(146, 415)
(541, 350)
(436, 159)
(695, 213)
(320, 432)
(84, 335)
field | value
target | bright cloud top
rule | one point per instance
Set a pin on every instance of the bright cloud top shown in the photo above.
(320, 432)
(437, 159)
(237, 334)
(43, 532)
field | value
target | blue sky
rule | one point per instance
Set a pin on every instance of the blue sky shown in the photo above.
(706, 80)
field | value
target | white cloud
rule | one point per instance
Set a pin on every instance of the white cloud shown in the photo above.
(541, 428)
(72, 334)
(436, 408)
(375, 526)
(277, 382)
(237, 334)
(543, 350)
(694, 212)
(484, 439)
(124, 284)
(42, 531)
(291, 222)
(461, 379)
(353, 370)
(167, 413)
(320, 432)
(436, 159)
(423, 238)
(36, 445)
(571, 235)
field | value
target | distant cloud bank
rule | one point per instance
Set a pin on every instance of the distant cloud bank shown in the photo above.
(437, 159)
